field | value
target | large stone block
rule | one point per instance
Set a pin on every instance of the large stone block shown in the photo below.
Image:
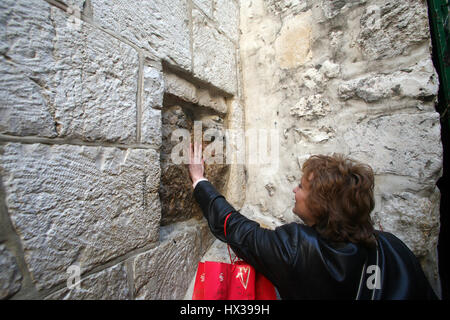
(165, 272)
(62, 78)
(393, 28)
(160, 27)
(108, 284)
(79, 205)
(214, 55)
(10, 275)
(400, 144)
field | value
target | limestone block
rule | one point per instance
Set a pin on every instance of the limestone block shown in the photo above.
(393, 28)
(311, 107)
(152, 99)
(214, 55)
(226, 13)
(26, 49)
(79, 205)
(63, 79)
(165, 272)
(10, 275)
(108, 284)
(400, 144)
(418, 81)
(161, 27)
(188, 92)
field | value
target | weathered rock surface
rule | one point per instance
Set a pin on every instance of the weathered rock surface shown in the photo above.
(214, 55)
(188, 92)
(311, 107)
(393, 28)
(415, 220)
(353, 77)
(176, 194)
(420, 81)
(166, 271)
(160, 27)
(10, 276)
(108, 284)
(63, 79)
(152, 100)
(79, 204)
(376, 141)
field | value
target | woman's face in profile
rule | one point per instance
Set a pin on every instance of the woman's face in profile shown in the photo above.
(301, 192)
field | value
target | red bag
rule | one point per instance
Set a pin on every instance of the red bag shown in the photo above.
(235, 281)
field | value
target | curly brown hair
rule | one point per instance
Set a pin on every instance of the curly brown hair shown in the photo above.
(341, 198)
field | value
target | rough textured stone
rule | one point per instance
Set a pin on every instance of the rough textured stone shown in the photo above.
(313, 135)
(188, 92)
(10, 276)
(152, 100)
(26, 49)
(379, 85)
(175, 177)
(214, 55)
(415, 220)
(419, 81)
(79, 204)
(393, 28)
(166, 271)
(311, 107)
(332, 8)
(226, 13)
(108, 284)
(418, 153)
(161, 27)
(287, 7)
(63, 79)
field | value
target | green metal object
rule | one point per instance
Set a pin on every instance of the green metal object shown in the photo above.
(440, 30)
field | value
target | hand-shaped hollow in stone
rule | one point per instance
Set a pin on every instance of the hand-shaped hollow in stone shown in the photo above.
(196, 162)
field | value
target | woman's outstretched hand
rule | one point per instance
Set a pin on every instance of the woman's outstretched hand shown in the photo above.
(196, 163)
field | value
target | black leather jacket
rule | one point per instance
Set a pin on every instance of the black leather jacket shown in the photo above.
(302, 265)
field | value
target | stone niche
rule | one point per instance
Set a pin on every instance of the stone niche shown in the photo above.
(190, 108)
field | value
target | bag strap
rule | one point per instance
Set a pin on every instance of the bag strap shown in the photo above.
(225, 233)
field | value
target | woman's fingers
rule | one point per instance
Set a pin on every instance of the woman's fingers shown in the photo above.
(197, 153)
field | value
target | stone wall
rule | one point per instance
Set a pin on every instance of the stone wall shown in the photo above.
(353, 77)
(92, 90)
(89, 89)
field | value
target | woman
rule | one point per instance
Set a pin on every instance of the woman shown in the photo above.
(336, 254)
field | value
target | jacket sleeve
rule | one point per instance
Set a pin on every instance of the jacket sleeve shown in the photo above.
(270, 252)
